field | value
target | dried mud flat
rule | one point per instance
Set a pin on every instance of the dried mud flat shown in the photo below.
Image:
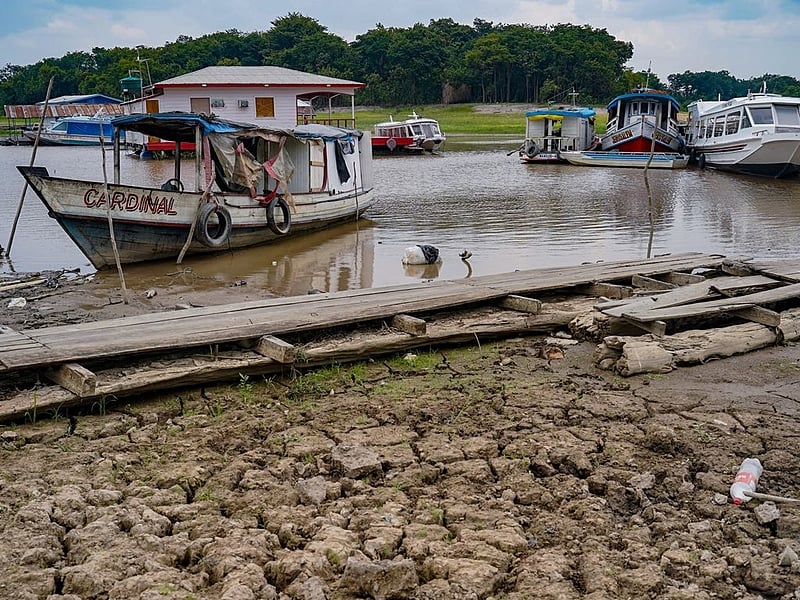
(502, 470)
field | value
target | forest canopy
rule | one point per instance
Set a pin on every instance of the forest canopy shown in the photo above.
(442, 62)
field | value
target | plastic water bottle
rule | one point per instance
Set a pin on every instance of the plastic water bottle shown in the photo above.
(746, 480)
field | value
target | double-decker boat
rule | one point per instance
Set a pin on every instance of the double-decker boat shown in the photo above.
(758, 134)
(550, 131)
(644, 120)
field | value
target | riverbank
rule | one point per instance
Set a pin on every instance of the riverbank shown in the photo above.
(513, 469)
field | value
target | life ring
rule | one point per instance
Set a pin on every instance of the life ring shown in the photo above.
(391, 143)
(213, 234)
(282, 226)
(701, 161)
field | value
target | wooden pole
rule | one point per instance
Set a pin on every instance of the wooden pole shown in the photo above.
(33, 158)
(110, 218)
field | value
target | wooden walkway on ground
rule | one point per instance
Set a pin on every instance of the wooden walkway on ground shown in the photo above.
(195, 327)
(201, 345)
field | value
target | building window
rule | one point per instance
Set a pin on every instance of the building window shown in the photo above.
(218, 103)
(265, 107)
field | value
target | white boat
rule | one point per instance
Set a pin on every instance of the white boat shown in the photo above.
(267, 183)
(758, 134)
(637, 119)
(549, 131)
(640, 160)
(74, 131)
(415, 134)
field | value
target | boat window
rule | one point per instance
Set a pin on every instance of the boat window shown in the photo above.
(719, 126)
(710, 128)
(634, 108)
(745, 121)
(732, 123)
(347, 145)
(62, 126)
(701, 129)
(787, 114)
(416, 129)
(762, 115)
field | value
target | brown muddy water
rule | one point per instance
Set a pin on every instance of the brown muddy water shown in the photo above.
(472, 196)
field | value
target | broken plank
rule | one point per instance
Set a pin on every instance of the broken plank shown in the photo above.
(764, 316)
(715, 306)
(521, 304)
(679, 278)
(608, 290)
(650, 283)
(75, 378)
(276, 349)
(410, 325)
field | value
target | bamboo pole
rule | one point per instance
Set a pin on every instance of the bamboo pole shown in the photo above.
(33, 159)
(108, 213)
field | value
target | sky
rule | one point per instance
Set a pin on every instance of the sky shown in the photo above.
(747, 38)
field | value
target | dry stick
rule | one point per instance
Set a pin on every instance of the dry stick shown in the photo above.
(760, 496)
(650, 207)
(111, 220)
(203, 196)
(33, 158)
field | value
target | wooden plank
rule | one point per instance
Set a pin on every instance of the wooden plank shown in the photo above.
(521, 304)
(194, 327)
(679, 278)
(706, 290)
(760, 315)
(75, 378)
(606, 290)
(410, 325)
(716, 306)
(276, 349)
(649, 283)
(22, 284)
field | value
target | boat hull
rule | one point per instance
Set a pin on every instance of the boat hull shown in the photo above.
(638, 137)
(775, 157)
(658, 160)
(47, 138)
(152, 224)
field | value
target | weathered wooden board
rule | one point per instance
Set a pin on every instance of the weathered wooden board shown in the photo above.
(705, 290)
(714, 306)
(787, 270)
(275, 316)
(148, 376)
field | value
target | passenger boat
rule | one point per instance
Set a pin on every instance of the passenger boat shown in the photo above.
(637, 118)
(252, 185)
(416, 134)
(74, 131)
(758, 134)
(656, 160)
(550, 131)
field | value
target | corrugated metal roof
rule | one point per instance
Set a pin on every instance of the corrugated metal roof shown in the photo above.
(34, 111)
(247, 76)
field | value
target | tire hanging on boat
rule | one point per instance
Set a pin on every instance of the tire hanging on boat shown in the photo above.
(213, 235)
(279, 227)
(531, 149)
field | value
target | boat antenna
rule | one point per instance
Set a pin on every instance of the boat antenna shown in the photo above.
(647, 79)
(574, 95)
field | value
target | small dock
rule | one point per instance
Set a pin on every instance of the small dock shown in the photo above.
(131, 355)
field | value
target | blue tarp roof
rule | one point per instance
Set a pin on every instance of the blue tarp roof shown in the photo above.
(561, 112)
(178, 126)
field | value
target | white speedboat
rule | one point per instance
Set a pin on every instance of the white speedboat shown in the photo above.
(656, 160)
(758, 134)
(74, 131)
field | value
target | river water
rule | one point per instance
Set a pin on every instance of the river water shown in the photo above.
(472, 196)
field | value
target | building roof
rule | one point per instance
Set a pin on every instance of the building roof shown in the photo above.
(224, 76)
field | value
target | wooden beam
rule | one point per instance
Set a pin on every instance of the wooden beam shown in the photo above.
(409, 324)
(683, 278)
(767, 317)
(276, 349)
(649, 283)
(521, 304)
(75, 378)
(612, 291)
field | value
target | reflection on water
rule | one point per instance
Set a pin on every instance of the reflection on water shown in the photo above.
(471, 197)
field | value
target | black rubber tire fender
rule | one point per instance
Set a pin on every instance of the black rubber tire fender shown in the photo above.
(218, 234)
(701, 161)
(283, 227)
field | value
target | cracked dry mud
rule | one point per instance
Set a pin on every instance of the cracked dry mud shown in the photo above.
(461, 473)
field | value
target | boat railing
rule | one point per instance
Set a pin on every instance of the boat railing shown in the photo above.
(344, 122)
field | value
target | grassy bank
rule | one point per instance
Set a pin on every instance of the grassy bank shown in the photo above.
(476, 119)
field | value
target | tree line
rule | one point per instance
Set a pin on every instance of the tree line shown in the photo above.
(442, 62)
